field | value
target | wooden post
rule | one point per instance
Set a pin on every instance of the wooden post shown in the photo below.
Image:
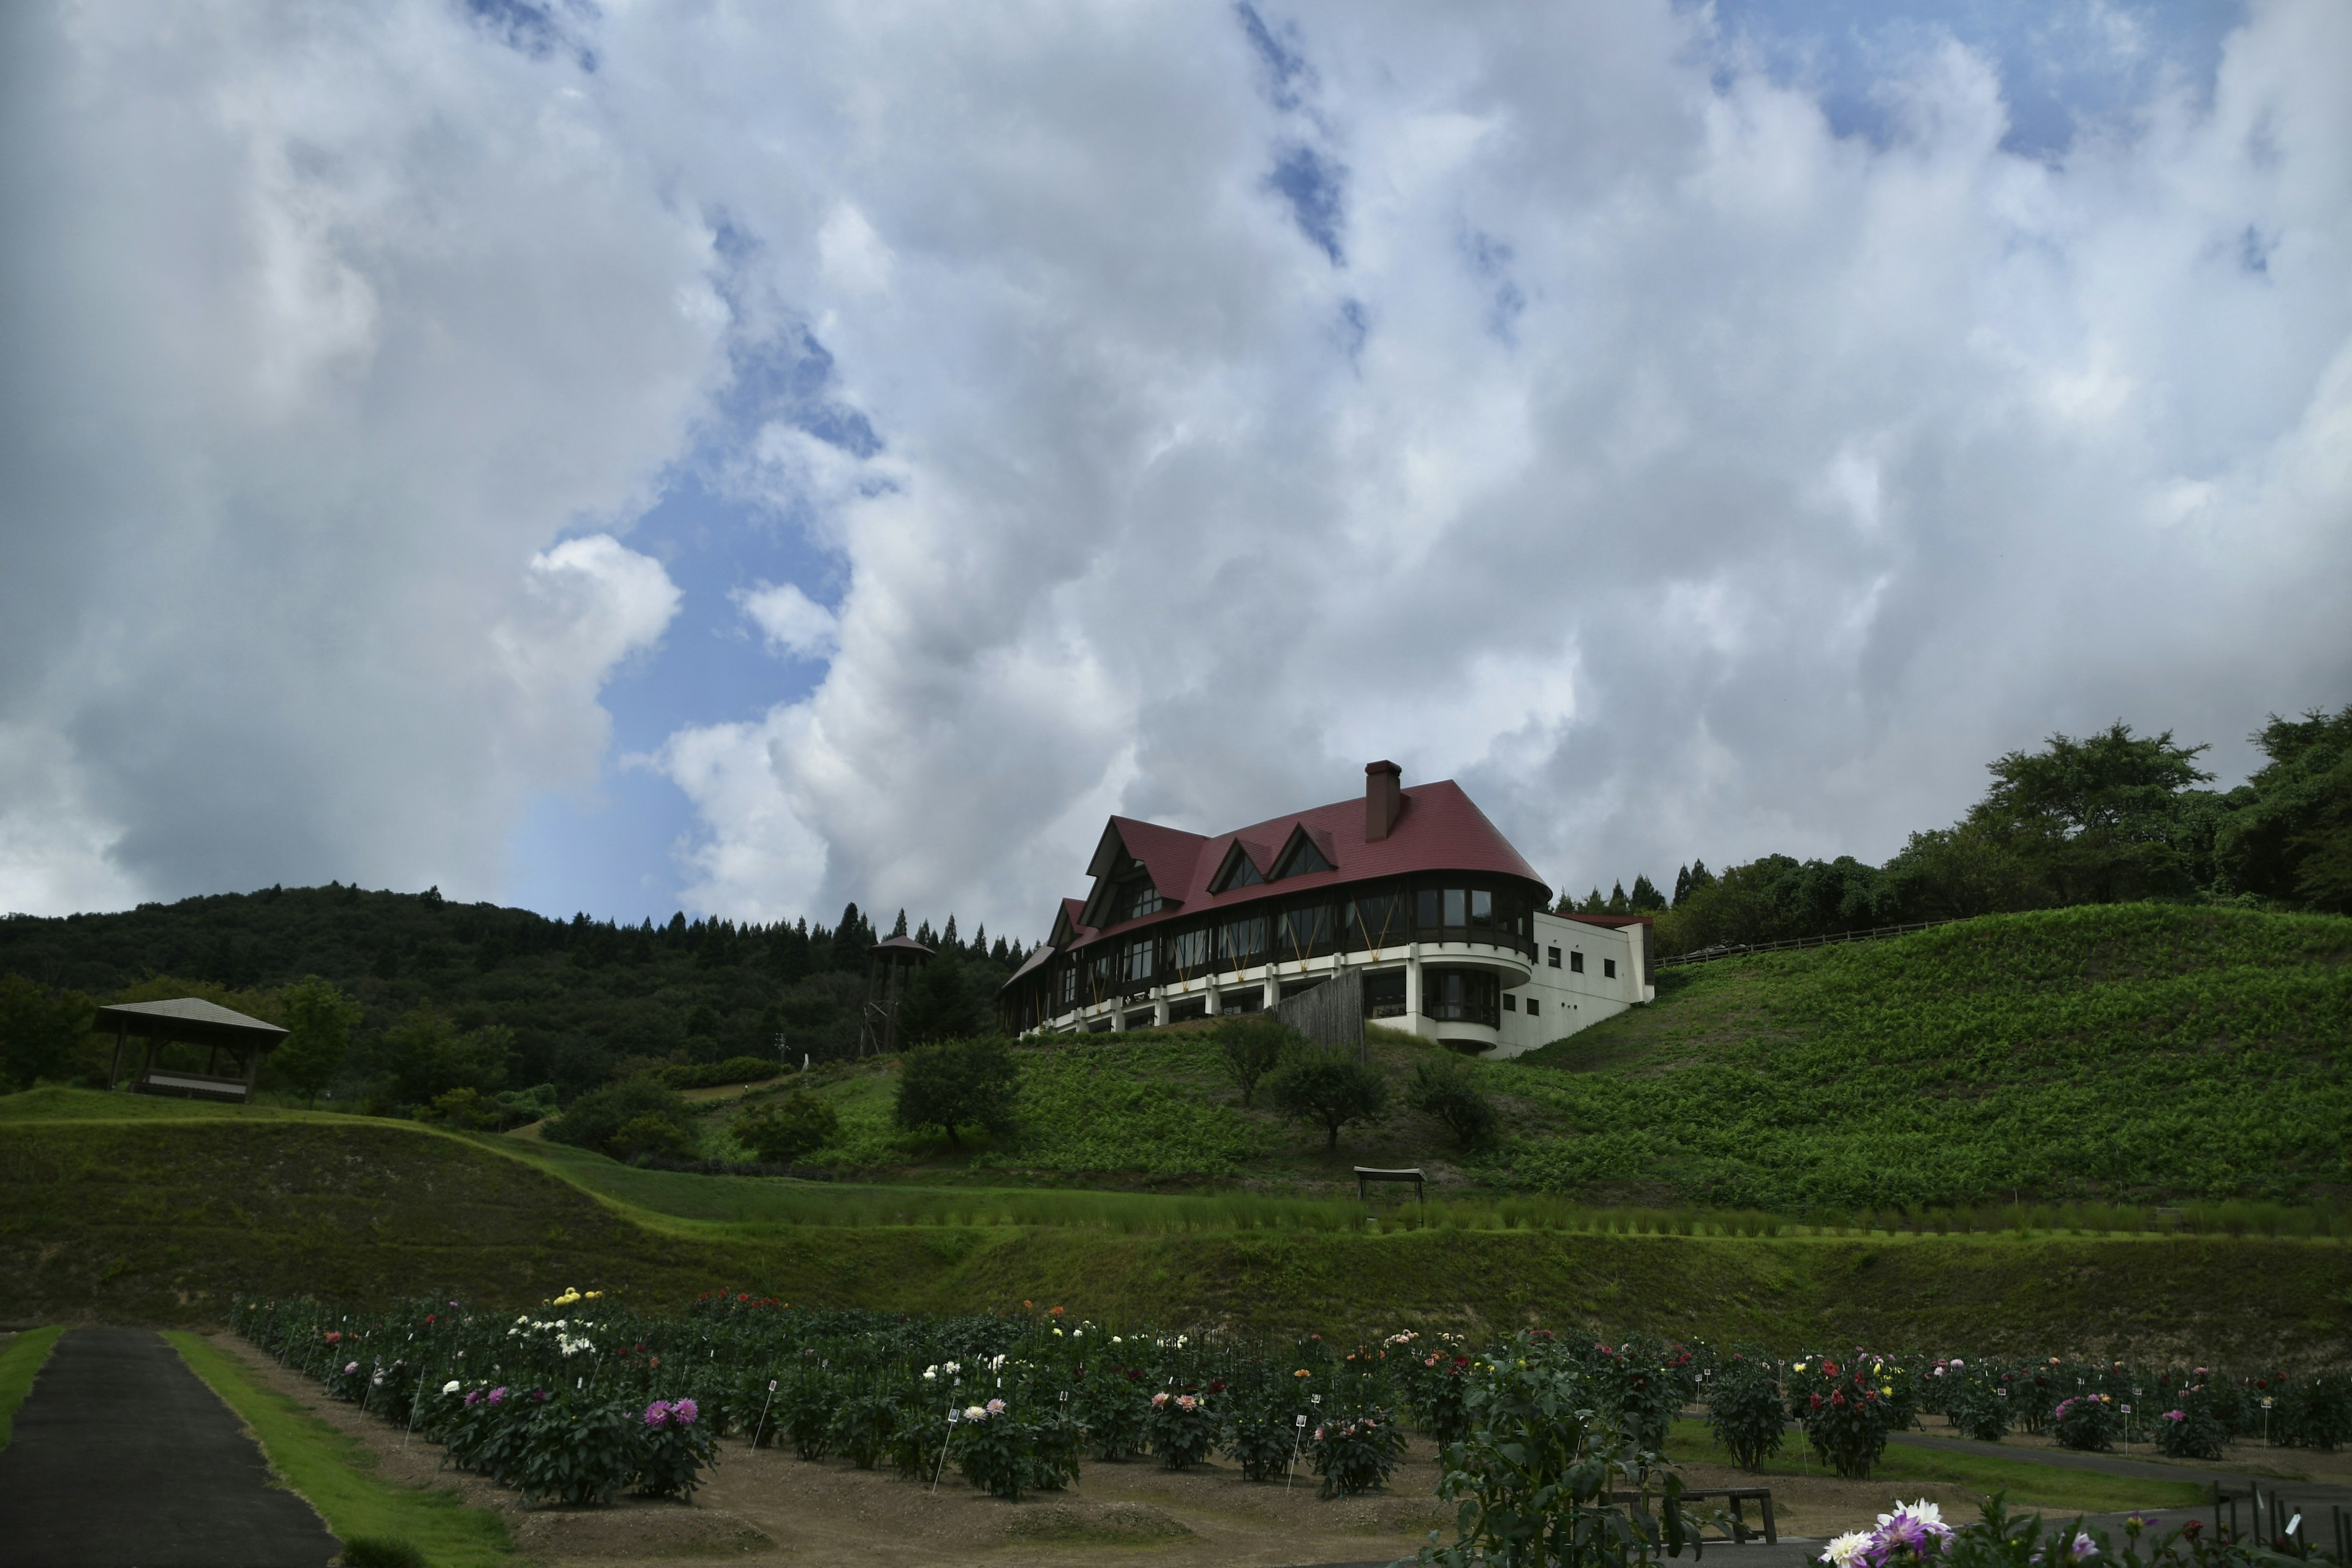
(122, 1040)
(252, 1070)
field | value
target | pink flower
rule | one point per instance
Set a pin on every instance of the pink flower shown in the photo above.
(996, 1407)
(687, 1411)
(1186, 1402)
(351, 1369)
(499, 1395)
(657, 1412)
(1160, 1399)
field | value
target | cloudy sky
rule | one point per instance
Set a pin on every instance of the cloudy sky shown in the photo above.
(742, 457)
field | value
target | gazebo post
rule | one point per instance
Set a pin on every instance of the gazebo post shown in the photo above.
(121, 1039)
(252, 1071)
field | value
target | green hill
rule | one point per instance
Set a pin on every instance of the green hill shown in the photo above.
(2143, 1054)
(159, 1212)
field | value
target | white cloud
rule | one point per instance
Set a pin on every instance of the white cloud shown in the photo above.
(1688, 477)
(790, 620)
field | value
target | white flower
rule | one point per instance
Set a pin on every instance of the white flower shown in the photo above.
(1842, 1548)
(1925, 1512)
(974, 1413)
(931, 1374)
(950, 1368)
(450, 1386)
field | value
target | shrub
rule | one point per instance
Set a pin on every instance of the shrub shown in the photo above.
(382, 1552)
(1978, 1408)
(1537, 1479)
(956, 1083)
(2313, 1412)
(787, 1132)
(1329, 1092)
(994, 1449)
(2188, 1430)
(2086, 1422)
(576, 1453)
(1266, 1433)
(1355, 1453)
(1116, 1409)
(1744, 1410)
(718, 1075)
(805, 1412)
(650, 1134)
(1443, 1088)
(674, 1446)
(1844, 1418)
(595, 1118)
(1181, 1428)
(862, 1426)
(1250, 1046)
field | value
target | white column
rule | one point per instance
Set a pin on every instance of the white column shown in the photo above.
(1412, 988)
(1214, 997)
(1159, 1011)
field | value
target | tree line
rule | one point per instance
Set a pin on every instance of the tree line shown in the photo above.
(2108, 817)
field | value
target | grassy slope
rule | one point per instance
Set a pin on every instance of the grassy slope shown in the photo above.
(2136, 1053)
(335, 1472)
(2140, 1051)
(161, 1219)
(20, 1362)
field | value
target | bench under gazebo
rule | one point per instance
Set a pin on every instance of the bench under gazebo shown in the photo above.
(193, 1022)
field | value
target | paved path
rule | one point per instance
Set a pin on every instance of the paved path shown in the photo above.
(123, 1459)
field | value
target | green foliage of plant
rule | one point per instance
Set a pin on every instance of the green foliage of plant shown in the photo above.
(1744, 1410)
(941, 1003)
(789, 1130)
(1356, 1453)
(1329, 1092)
(1444, 1086)
(40, 1028)
(718, 1075)
(2128, 1051)
(955, 1084)
(319, 1019)
(1843, 1410)
(1538, 1480)
(635, 1116)
(1182, 1426)
(1250, 1046)
(384, 1552)
(425, 1056)
(2190, 1430)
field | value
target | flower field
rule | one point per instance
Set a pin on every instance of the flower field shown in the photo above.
(1539, 1434)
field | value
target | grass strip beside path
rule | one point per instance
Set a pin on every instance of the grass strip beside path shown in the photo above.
(2028, 1483)
(20, 1362)
(335, 1472)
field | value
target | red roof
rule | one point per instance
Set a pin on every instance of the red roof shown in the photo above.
(1438, 829)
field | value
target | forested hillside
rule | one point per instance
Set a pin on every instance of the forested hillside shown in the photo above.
(478, 995)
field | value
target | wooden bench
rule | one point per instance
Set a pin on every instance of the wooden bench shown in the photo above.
(1738, 1497)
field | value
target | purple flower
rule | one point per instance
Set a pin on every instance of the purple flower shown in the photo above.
(687, 1412)
(499, 1394)
(657, 1412)
(351, 1369)
(472, 1399)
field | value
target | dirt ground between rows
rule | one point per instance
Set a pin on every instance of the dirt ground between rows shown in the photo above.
(764, 1506)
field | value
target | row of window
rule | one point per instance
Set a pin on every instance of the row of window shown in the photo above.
(1576, 963)
(1367, 921)
(1448, 995)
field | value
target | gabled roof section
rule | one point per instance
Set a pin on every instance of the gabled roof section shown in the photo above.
(1303, 837)
(1168, 856)
(1069, 925)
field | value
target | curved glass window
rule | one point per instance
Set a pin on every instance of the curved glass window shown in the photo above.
(1305, 932)
(1189, 949)
(1462, 997)
(1242, 940)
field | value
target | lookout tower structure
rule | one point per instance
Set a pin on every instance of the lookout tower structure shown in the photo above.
(891, 970)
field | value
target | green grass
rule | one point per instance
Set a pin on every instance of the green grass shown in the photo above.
(336, 1472)
(162, 1221)
(20, 1362)
(2135, 1052)
(2027, 1483)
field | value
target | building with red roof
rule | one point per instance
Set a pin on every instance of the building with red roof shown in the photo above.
(1416, 887)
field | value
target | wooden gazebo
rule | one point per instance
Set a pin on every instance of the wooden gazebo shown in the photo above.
(189, 1021)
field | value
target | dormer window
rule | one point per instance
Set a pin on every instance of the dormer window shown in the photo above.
(1303, 857)
(1138, 899)
(1238, 871)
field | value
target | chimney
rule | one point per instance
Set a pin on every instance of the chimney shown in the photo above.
(1383, 799)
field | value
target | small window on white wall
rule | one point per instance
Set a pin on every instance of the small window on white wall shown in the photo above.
(1534, 1005)
(1510, 1002)
(1576, 963)
(1555, 958)
(1609, 968)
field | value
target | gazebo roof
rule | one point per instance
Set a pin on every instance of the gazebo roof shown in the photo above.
(190, 1019)
(901, 945)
